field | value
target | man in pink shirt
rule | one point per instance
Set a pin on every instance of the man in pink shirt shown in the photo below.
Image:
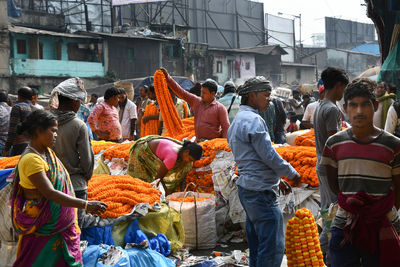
(210, 117)
(104, 119)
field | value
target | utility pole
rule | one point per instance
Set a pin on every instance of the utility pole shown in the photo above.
(173, 18)
(237, 26)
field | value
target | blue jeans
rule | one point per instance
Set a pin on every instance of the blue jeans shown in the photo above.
(264, 227)
(348, 255)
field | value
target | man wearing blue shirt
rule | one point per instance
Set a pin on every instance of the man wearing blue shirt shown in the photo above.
(260, 169)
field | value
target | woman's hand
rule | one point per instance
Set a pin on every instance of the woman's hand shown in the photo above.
(96, 207)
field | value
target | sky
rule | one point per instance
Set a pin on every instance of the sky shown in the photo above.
(313, 13)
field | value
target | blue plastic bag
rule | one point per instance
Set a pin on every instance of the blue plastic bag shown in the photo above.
(3, 176)
(161, 244)
(92, 255)
(98, 235)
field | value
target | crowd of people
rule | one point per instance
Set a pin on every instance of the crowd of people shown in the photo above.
(357, 147)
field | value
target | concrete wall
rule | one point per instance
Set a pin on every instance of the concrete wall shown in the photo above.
(269, 67)
(54, 62)
(45, 84)
(45, 67)
(133, 58)
(211, 22)
(354, 63)
(4, 41)
(289, 75)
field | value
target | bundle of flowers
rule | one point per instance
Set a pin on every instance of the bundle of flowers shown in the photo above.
(304, 160)
(188, 199)
(9, 162)
(187, 132)
(118, 151)
(102, 145)
(121, 193)
(302, 241)
(151, 126)
(201, 178)
(171, 119)
(307, 139)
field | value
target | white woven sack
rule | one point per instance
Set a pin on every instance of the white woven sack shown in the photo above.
(198, 220)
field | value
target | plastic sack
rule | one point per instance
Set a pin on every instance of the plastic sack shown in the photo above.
(166, 221)
(198, 219)
(133, 257)
(134, 234)
(8, 252)
(98, 235)
(161, 244)
(3, 177)
(6, 228)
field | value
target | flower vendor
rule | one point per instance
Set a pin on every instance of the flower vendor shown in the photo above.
(104, 119)
(363, 168)
(73, 145)
(154, 157)
(260, 168)
(327, 122)
(210, 117)
(43, 206)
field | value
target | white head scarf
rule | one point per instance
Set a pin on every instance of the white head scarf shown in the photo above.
(72, 88)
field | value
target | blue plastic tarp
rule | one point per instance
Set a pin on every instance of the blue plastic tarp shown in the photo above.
(98, 235)
(133, 257)
(3, 176)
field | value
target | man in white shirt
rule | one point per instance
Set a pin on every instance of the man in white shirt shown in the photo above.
(308, 118)
(127, 116)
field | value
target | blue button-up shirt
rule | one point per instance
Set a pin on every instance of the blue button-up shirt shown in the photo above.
(259, 165)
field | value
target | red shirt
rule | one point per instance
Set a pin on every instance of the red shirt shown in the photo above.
(210, 120)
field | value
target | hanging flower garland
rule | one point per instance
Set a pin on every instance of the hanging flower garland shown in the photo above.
(302, 240)
(188, 130)
(171, 119)
(151, 126)
(121, 193)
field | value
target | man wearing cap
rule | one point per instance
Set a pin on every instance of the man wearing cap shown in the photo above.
(260, 168)
(230, 100)
(308, 118)
(73, 146)
(210, 117)
(16, 143)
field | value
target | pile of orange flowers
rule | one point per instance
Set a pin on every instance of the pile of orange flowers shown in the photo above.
(187, 132)
(118, 151)
(189, 199)
(203, 179)
(171, 119)
(9, 162)
(302, 241)
(151, 126)
(121, 193)
(102, 145)
(304, 160)
(307, 139)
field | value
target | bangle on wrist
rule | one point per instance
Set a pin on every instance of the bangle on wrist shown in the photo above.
(86, 202)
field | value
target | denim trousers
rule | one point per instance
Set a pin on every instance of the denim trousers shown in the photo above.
(348, 255)
(264, 227)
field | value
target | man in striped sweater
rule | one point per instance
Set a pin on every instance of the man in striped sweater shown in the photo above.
(363, 169)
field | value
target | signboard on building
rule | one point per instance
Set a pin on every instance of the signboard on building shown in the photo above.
(128, 2)
(281, 31)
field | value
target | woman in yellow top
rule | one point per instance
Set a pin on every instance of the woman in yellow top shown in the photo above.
(43, 201)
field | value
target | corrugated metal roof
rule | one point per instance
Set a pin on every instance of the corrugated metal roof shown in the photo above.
(261, 50)
(26, 30)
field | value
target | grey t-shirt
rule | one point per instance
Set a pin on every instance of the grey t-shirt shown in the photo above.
(327, 117)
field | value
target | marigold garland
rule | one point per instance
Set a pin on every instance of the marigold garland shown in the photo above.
(302, 240)
(188, 130)
(307, 139)
(151, 126)
(171, 119)
(118, 151)
(9, 162)
(203, 179)
(304, 160)
(121, 193)
(185, 111)
(102, 145)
